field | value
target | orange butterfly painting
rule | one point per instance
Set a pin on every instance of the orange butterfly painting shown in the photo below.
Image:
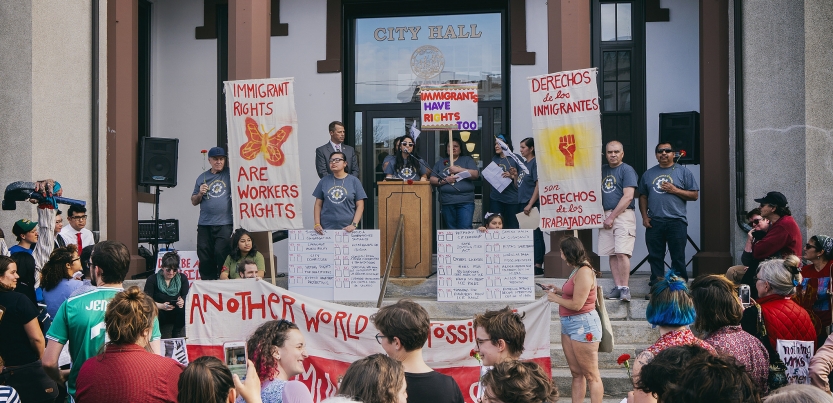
(260, 142)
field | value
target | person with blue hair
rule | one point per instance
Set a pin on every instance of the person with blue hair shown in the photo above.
(672, 310)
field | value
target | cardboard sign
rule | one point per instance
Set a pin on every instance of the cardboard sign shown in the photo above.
(189, 264)
(796, 355)
(485, 266)
(568, 140)
(448, 106)
(263, 154)
(336, 335)
(338, 265)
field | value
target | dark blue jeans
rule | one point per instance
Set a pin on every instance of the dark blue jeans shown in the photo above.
(213, 246)
(666, 232)
(458, 216)
(507, 211)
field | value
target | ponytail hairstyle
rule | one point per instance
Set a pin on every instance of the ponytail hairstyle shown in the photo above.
(670, 303)
(55, 269)
(782, 275)
(205, 380)
(529, 142)
(574, 252)
(129, 314)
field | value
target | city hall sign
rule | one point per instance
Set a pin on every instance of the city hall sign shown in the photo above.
(434, 32)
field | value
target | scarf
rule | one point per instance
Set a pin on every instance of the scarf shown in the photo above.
(170, 290)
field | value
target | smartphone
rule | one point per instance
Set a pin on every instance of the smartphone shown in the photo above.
(236, 357)
(744, 294)
(543, 287)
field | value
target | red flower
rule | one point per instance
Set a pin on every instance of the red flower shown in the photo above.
(204, 151)
(589, 336)
(410, 181)
(622, 358)
(472, 353)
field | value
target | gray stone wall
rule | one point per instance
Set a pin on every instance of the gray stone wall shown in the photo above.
(788, 143)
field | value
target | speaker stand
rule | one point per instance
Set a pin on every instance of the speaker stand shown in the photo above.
(156, 223)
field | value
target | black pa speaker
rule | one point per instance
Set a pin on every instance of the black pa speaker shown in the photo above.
(158, 161)
(682, 130)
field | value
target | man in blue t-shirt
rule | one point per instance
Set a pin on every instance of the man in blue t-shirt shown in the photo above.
(663, 192)
(617, 236)
(212, 192)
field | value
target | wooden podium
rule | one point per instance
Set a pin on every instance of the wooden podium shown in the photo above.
(414, 202)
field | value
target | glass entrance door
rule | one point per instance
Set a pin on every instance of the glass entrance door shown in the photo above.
(375, 132)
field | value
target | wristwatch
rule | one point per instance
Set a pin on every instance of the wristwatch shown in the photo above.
(355, 224)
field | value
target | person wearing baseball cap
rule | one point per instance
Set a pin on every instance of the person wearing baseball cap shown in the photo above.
(781, 240)
(26, 232)
(212, 192)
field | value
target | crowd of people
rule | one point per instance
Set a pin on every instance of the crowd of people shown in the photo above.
(68, 329)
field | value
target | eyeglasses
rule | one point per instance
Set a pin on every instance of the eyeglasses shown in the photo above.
(665, 150)
(78, 217)
(408, 144)
(478, 342)
(171, 269)
(810, 246)
(73, 260)
(755, 221)
(379, 337)
(335, 160)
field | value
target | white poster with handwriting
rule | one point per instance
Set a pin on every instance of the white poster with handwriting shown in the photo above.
(335, 266)
(495, 265)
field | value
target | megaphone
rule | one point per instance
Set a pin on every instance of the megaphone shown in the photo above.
(22, 191)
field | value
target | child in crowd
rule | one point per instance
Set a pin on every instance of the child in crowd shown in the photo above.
(492, 221)
(499, 336)
(403, 331)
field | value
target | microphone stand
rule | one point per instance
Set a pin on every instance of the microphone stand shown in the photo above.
(431, 171)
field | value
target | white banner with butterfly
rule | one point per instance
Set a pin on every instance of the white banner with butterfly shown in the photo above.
(263, 154)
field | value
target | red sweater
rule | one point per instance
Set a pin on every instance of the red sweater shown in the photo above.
(127, 373)
(782, 239)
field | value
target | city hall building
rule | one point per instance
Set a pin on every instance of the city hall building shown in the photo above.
(84, 82)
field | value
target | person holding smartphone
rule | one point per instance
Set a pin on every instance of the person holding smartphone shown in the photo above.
(278, 350)
(169, 288)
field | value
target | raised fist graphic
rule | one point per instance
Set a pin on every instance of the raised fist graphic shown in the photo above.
(567, 145)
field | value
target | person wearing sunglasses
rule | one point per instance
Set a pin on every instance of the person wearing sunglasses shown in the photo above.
(759, 226)
(782, 238)
(664, 190)
(405, 166)
(813, 293)
(339, 198)
(168, 288)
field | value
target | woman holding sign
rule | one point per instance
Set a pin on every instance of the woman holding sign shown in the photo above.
(505, 202)
(454, 176)
(339, 198)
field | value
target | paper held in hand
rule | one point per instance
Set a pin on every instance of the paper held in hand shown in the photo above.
(531, 221)
(494, 175)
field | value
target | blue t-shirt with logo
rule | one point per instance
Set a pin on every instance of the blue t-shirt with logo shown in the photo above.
(340, 197)
(410, 170)
(527, 181)
(215, 207)
(510, 193)
(614, 182)
(664, 205)
(461, 191)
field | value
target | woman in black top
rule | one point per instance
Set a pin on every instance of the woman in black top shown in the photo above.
(21, 341)
(169, 288)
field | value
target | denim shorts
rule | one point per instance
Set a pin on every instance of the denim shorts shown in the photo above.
(579, 326)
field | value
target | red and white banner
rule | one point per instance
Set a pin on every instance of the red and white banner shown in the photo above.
(336, 335)
(568, 144)
(448, 106)
(263, 154)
